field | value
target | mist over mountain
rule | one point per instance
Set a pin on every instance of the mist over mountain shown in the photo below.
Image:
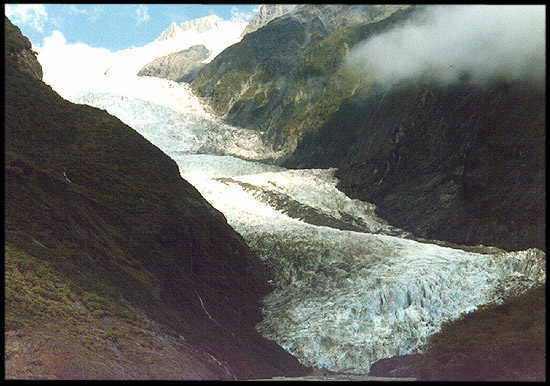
(89, 68)
(450, 43)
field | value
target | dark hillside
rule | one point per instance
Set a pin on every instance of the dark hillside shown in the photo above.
(461, 163)
(497, 342)
(116, 268)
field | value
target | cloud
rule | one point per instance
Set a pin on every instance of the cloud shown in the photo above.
(74, 10)
(238, 15)
(81, 65)
(447, 43)
(142, 14)
(33, 15)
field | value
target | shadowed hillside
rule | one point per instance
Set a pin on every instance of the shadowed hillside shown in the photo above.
(461, 163)
(116, 268)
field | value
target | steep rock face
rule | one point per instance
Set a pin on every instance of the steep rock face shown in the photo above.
(182, 66)
(265, 14)
(274, 77)
(18, 50)
(460, 163)
(112, 256)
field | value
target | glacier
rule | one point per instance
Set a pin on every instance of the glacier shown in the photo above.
(342, 298)
(348, 289)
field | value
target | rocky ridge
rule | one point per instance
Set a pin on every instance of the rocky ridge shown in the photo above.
(200, 25)
(18, 49)
(182, 66)
(265, 14)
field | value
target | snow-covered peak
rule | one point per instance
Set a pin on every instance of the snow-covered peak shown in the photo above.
(203, 24)
(169, 33)
(199, 26)
(85, 68)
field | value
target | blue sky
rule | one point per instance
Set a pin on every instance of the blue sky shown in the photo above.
(114, 26)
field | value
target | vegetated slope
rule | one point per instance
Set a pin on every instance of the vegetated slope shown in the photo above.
(116, 267)
(461, 162)
(278, 79)
(497, 343)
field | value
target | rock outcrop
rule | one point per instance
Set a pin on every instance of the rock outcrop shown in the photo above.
(116, 267)
(265, 14)
(182, 66)
(19, 50)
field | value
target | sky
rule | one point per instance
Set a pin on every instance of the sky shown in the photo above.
(114, 26)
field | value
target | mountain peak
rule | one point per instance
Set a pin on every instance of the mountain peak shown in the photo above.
(200, 25)
(169, 33)
(266, 13)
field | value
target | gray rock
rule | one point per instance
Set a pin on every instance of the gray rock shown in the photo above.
(266, 13)
(182, 66)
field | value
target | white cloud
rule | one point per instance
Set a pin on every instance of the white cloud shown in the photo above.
(142, 14)
(80, 66)
(34, 15)
(450, 41)
(74, 10)
(238, 15)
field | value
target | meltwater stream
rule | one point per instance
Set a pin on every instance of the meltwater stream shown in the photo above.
(348, 288)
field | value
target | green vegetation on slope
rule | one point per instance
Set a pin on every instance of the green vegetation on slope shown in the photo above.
(288, 77)
(39, 294)
(504, 342)
(14, 40)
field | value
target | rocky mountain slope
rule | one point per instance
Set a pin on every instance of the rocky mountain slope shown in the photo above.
(116, 267)
(265, 14)
(182, 66)
(459, 163)
(462, 163)
(281, 73)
